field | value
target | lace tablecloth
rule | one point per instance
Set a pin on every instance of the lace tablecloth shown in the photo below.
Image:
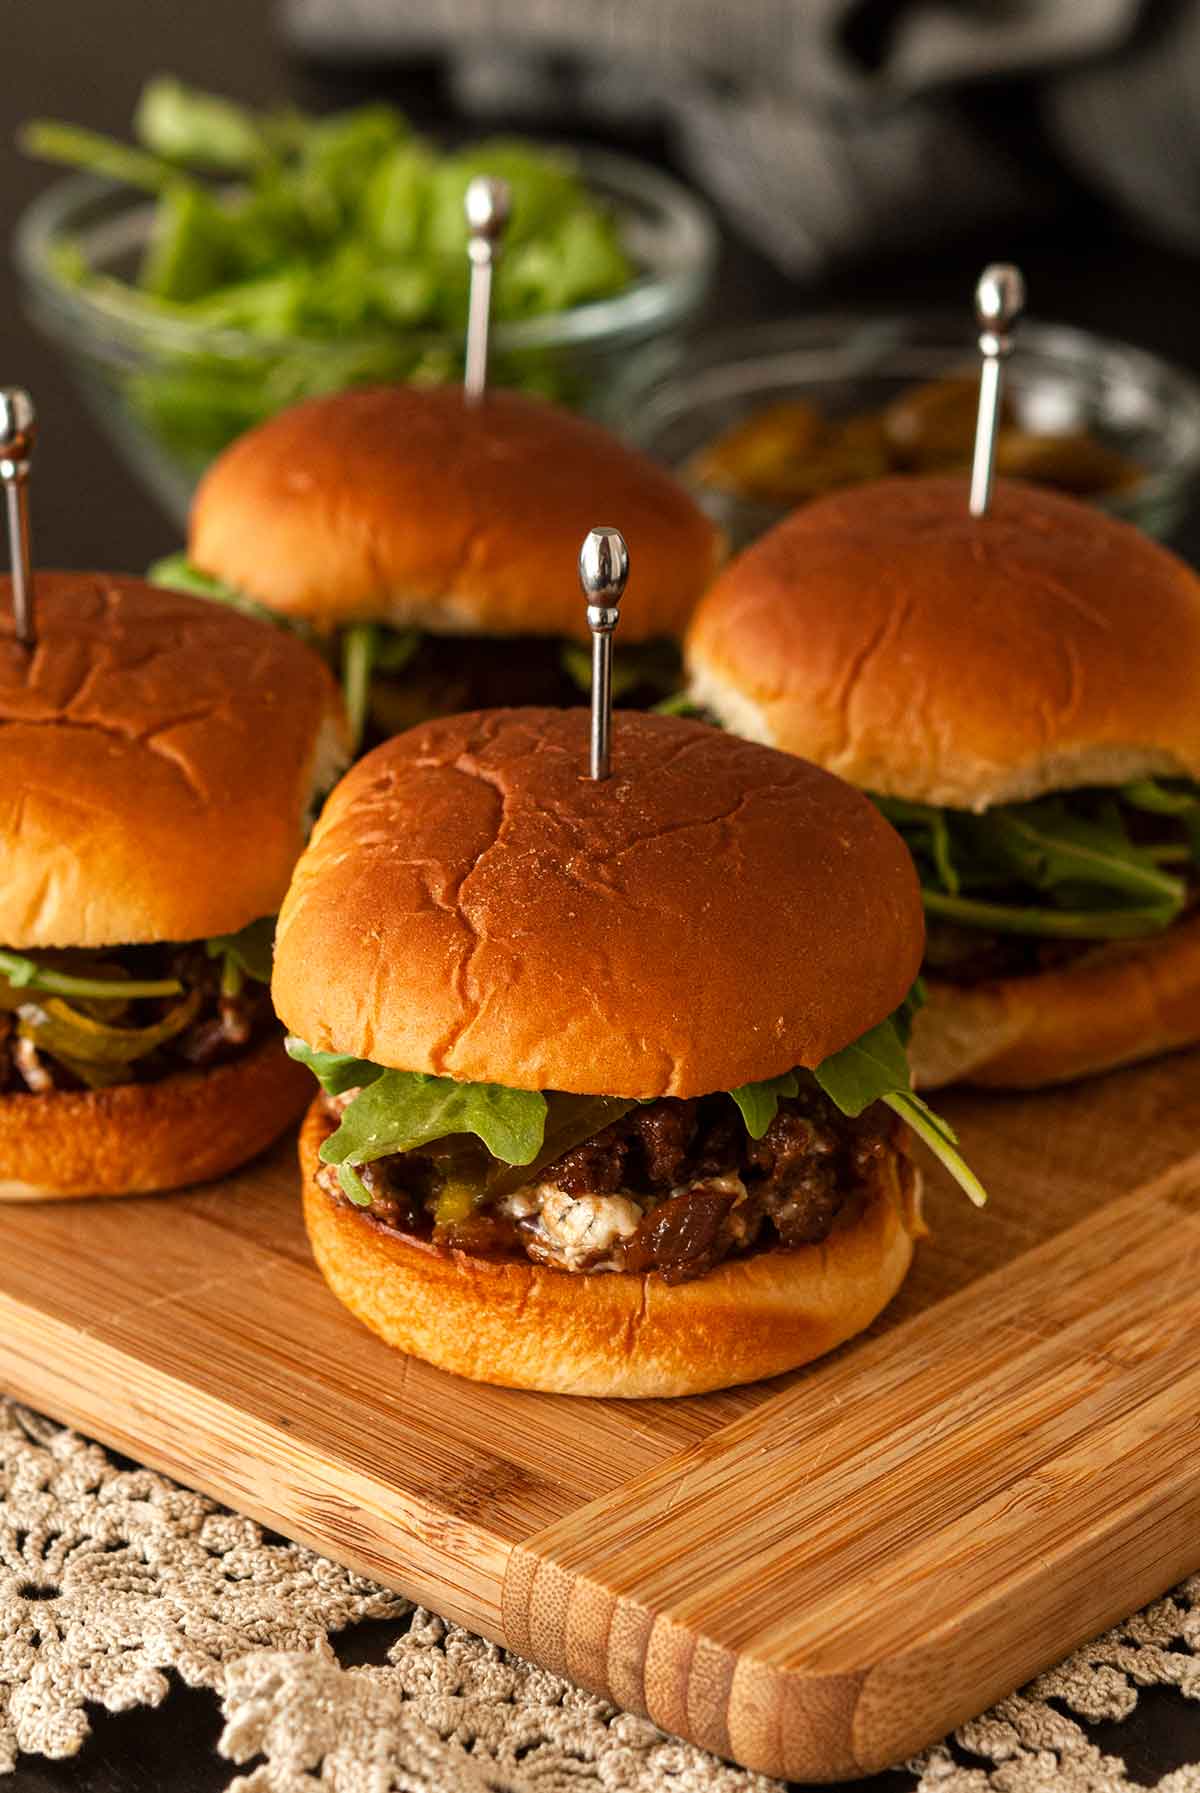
(113, 1579)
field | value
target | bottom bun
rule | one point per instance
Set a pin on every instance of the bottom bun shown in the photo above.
(1125, 1002)
(138, 1137)
(526, 1325)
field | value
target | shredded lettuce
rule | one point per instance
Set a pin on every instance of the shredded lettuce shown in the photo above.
(1070, 866)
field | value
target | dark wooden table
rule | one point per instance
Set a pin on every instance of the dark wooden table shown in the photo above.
(86, 63)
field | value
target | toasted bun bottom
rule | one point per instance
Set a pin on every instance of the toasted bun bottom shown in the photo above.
(138, 1137)
(1131, 1001)
(524, 1325)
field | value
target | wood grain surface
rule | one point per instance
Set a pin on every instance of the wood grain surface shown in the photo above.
(815, 1575)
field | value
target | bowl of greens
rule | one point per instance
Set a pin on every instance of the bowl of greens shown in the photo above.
(232, 263)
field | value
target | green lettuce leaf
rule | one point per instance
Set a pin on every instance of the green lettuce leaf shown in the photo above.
(875, 1069)
(759, 1102)
(248, 953)
(653, 664)
(400, 1110)
(1065, 867)
(23, 973)
(368, 648)
(334, 1071)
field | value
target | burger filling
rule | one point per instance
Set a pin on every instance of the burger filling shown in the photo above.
(395, 678)
(1029, 887)
(610, 1184)
(673, 1186)
(72, 1020)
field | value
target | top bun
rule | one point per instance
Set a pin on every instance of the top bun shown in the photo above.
(924, 653)
(472, 905)
(406, 505)
(158, 757)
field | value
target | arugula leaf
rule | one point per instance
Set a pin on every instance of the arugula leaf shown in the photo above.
(941, 1139)
(1052, 924)
(866, 1070)
(1063, 867)
(334, 1071)
(1181, 801)
(400, 1110)
(23, 973)
(759, 1102)
(184, 125)
(931, 830)
(358, 658)
(368, 648)
(1047, 847)
(342, 247)
(248, 953)
(655, 664)
(51, 141)
(680, 703)
(875, 1069)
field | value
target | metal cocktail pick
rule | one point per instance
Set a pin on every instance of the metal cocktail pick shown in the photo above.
(999, 302)
(18, 430)
(603, 570)
(487, 204)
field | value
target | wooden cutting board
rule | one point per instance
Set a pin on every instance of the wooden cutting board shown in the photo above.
(815, 1576)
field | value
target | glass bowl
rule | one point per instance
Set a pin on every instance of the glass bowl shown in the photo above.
(172, 393)
(676, 398)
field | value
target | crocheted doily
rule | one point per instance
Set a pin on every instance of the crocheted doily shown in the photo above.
(110, 1576)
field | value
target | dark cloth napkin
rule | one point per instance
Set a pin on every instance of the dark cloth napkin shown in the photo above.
(825, 128)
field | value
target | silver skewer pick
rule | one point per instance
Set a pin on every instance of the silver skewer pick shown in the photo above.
(999, 302)
(18, 431)
(603, 570)
(487, 204)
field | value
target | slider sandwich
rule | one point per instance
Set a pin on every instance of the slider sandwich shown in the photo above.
(159, 757)
(614, 1097)
(421, 537)
(1020, 694)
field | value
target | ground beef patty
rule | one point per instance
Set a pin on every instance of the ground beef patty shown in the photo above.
(674, 1186)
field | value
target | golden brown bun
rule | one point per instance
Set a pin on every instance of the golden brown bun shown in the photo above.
(472, 905)
(139, 1137)
(405, 505)
(1127, 1001)
(158, 755)
(923, 653)
(524, 1325)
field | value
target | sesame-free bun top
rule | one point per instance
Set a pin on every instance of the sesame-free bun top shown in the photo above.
(158, 755)
(924, 653)
(472, 905)
(406, 505)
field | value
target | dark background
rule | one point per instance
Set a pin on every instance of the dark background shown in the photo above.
(79, 60)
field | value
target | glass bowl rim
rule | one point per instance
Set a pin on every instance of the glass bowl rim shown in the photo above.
(1076, 348)
(653, 298)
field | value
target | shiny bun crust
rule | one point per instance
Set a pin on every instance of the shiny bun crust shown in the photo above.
(472, 905)
(923, 653)
(1127, 1001)
(524, 1325)
(139, 1137)
(158, 755)
(405, 505)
